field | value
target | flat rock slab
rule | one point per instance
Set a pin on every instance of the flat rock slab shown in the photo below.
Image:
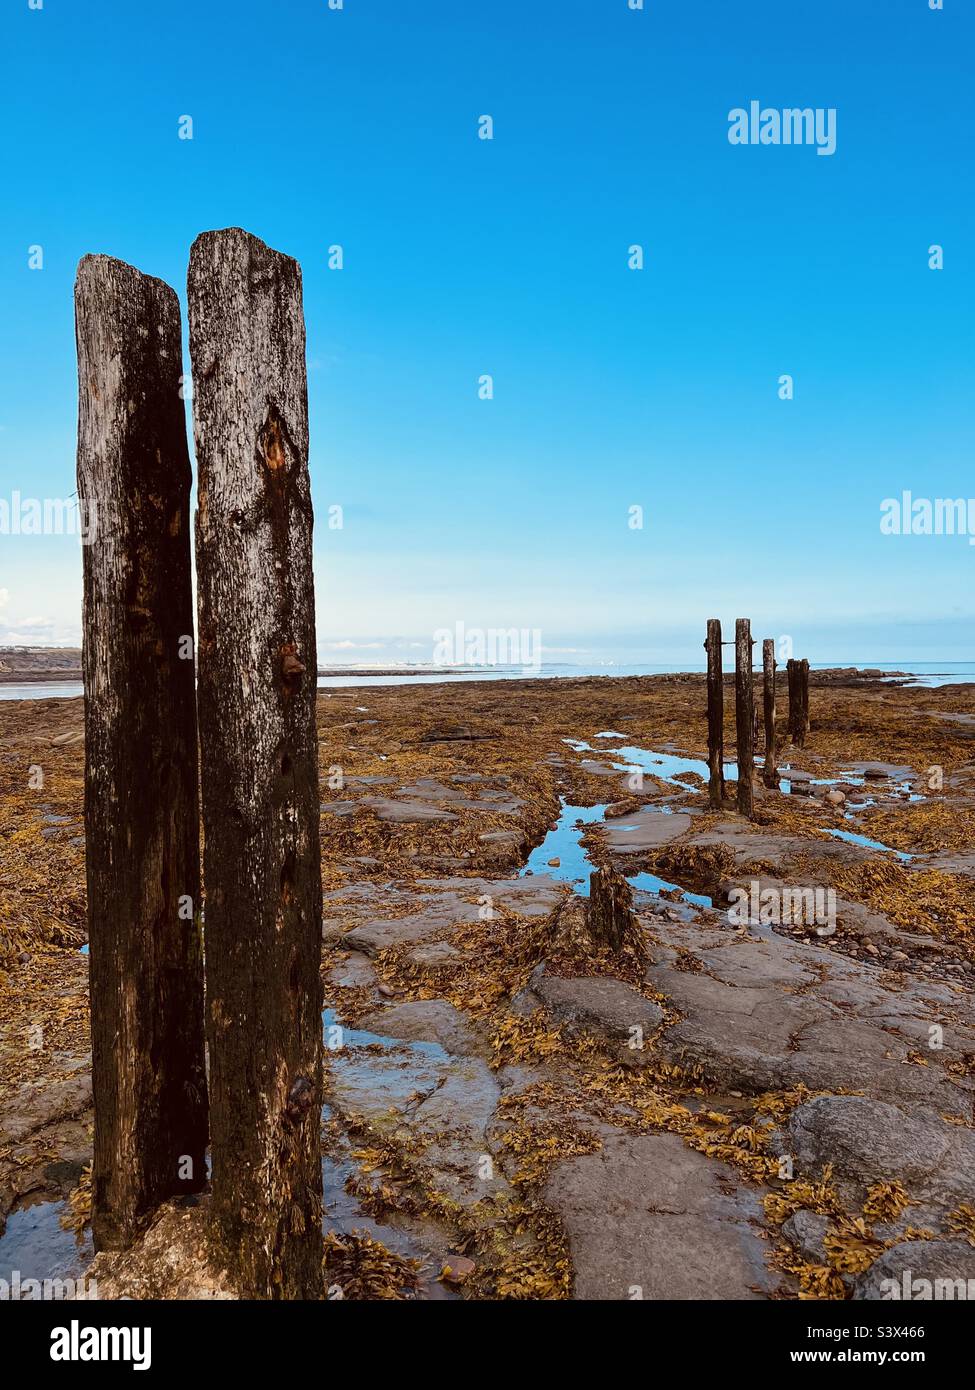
(897, 772)
(36, 1105)
(423, 1020)
(488, 799)
(747, 1026)
(438, 955)
(437, 905)
(356, 971)
(951, 862)
(397, 812)
(645, 829)
(799, 908)
(647, 1213)
(748, 844)
(594, 1003)
(869, 1141)
(447, 1102)
(597, 769)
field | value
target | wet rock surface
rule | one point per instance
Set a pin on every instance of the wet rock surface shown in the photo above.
(868, 1141)
(764, 1012)
(647, 1214)
(922, 1270)
(611, 1008)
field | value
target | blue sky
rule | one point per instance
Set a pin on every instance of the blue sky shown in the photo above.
(613, 387)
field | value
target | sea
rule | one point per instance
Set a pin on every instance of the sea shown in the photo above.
(921, 673)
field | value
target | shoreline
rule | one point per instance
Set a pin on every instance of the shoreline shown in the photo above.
(35, 684)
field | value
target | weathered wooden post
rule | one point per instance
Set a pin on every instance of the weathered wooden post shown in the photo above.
(790, 671)
(715, 715)
(744, 715)
(257, 691)
(609, 911)
(802, 722)
(142, 844)
(798, 672)
(770, 774)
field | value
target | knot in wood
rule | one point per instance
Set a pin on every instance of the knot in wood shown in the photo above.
(300, 1099)
(291, 668)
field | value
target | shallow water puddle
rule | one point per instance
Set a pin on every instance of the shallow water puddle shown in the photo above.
(852, 838)
(34, 1245)
(343, 1216)
(666, 767)
(650, 883)
(574, 867)
(407, 1067)
(564, 843)
(392, 1071)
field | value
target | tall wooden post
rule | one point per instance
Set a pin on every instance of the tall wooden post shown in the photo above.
(770, 774)
(257, 691)
(744, 715)
(715, 715)
(798, 701)
(142, 845)
(802, 717)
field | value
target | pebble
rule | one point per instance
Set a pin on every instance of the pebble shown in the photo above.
(457, 1269)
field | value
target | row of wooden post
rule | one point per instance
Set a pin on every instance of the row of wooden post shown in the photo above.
(745, 713)
(251, 704)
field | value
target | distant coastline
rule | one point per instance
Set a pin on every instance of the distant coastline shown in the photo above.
(51, 686)
(20, 665)
(34, 668)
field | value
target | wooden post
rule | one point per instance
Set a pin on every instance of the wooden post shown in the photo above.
(744, 715)
(715, 715)
(802, 721)
(257, 694)
(770, 774)
(609, 911)
(798, 701)
(142, 845)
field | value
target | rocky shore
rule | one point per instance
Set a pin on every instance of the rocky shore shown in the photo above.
(751, 1106)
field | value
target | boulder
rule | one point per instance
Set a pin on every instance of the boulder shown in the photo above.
(921, 1271)
(869, 1141)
